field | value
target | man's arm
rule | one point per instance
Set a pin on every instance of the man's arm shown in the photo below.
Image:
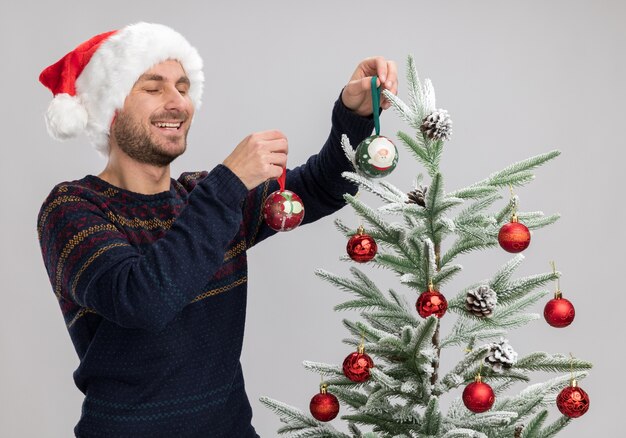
(91, 263)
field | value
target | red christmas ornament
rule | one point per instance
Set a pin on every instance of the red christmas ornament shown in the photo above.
(361, 247)
(431, 302)
(356, 366)
(572, 401)
(478, 396)
(283, 210)
(324, 406)
(514, 236)
(559, 312)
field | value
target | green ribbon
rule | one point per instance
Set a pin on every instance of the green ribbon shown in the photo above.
(376, 104)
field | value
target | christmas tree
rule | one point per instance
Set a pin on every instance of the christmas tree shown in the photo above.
(396, 391)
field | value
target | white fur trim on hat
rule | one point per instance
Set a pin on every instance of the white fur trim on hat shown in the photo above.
(66, 117)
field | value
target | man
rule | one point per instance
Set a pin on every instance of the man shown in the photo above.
(150, 272)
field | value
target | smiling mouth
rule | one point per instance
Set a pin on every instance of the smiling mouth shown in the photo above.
(168, 125)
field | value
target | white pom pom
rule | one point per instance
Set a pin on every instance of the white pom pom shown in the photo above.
(66, 117)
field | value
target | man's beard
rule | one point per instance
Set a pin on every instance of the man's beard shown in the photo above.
(135, 141)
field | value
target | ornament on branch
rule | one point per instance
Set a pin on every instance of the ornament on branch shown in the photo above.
(559, 312)
(356, 366)
(573, 401)
(514, 237)
(418, 196)
(376, 156)
(283, 210)
(361, 247)
(481, 301)
(478, 396)
(501, 356)
(437, 125)
(324, 406)
(431, 302)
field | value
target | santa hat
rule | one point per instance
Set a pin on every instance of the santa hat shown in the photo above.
(91, 82)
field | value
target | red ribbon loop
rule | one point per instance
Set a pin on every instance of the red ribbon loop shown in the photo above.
(281, 180)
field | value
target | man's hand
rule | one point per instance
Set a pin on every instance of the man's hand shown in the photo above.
(259, 157)
(357, 94)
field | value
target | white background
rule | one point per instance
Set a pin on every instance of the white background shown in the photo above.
(518, 78)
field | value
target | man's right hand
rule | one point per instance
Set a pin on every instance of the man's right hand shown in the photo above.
(259, 157)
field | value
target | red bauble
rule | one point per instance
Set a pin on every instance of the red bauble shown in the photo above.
(572, 401)
(361, 247)
(283, 210)
(559, 312)
(514, 236)
(356, 366)
(431, 302)
(324, 406)
(478, 396)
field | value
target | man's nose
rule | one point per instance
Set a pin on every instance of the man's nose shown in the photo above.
(175, 100)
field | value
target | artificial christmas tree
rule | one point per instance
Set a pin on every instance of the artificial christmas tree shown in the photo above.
(401, 398)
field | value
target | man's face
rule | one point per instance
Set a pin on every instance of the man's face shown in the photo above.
(153, 124)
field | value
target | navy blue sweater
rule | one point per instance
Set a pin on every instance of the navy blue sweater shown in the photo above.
(153, 290)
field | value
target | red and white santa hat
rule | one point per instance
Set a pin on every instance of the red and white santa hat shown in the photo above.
(92, 81)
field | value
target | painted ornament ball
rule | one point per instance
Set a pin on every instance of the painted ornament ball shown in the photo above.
(324, 406)
(514, 237)
(431, 302)
(283, 210)
(376, 156)
(356, 366)
(573, 402)
(559, 312)
(361, 248)
(478, 397)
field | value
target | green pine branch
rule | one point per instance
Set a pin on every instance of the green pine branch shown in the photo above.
(294, 416)
(518, 173)
(532, 429)
(555, 427)
(540, 361)
(432, 418)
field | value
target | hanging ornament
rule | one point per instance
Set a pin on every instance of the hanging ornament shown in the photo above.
(283, 210)
(376, 156)
(437, 125)
(324, 406)
(478, 396)
(559, 312)
(572, 401)
(481, 301)
(514, 236)
(361, 247)
(431, 302)
(356, 366)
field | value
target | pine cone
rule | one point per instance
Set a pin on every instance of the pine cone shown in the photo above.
(501, 356)
(437, 125)
(418, 196)
(481, 301)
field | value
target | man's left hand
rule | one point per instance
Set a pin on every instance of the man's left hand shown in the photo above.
(357, 95)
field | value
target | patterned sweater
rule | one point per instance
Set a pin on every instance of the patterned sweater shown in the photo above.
(153, 290)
